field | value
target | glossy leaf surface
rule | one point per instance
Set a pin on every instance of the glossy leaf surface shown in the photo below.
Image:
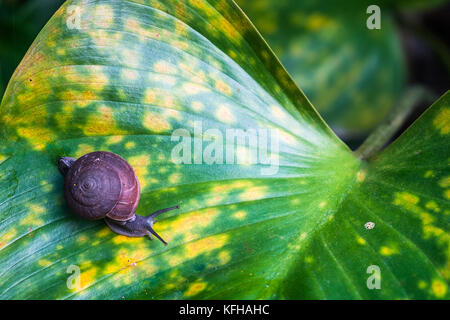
(133, 73)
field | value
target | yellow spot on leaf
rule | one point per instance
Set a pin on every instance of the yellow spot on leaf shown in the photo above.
(182, 45)
(132, 25)
(422, 284)
(447, 194)
(223, 87)
(96, 76)
(427, 219)
(104, 16)
(388, 251)
(83, 149)
(205, 245)
(224, 114)
(198, 106)
(429, 174)
(102, 123)
(181, 28)
(441, 122)
(88, 277)
(186, 225)
(240, 215)
(317, 21)
(361, 241)
(156, 123)
(164, 79)
(104, 232)
(224, 257)
(278, 112)
(130, 145)
(361, 175)
(99, 38)
(33, 217)
(232, 54)
(37, 137)
(168, 102)
(46, 186)
(195, 288)
(432, 206)
(410, 202)
(130, 57)
(405, 198)
(175, 178)
(199, 77)
(215, 200)
(439, 288)
(7, 237)
(44, 263)
(140, 161)
(164, 67)
(286, 137)
(150, 96)
(193, 88)
(445, 182)
(254, 193)
(114, 139)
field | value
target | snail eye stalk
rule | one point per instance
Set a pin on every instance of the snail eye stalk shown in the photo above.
(151, 221)
(64, 164)
(157, 213)
(153, 232)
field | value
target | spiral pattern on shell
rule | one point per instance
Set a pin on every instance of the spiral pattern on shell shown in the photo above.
(102, 184)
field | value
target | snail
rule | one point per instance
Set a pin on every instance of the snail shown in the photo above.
(102, 185)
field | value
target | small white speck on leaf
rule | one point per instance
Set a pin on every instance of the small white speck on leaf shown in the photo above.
(369, 225)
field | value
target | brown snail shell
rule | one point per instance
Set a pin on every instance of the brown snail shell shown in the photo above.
(102, 184)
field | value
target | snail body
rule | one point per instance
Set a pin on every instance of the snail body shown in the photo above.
(102, 185)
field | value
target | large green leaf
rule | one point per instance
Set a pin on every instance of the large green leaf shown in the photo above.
(136, 71)
(352, 75)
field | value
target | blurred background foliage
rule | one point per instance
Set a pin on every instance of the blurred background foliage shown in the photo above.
(20, 22)
(353, 76)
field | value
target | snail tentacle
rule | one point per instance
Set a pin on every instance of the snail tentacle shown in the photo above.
(151, 222)
(157, 213)
(151, 231)
(64, 164)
